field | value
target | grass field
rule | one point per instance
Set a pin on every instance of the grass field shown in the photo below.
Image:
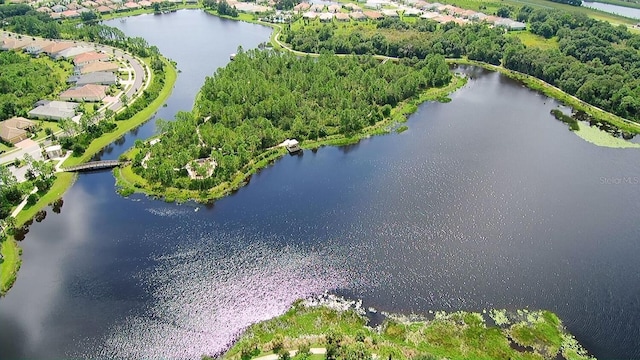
(533, 40)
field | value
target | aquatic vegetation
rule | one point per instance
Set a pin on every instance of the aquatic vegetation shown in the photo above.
(602, 138)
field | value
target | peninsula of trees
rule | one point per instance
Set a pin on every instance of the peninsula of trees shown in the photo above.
(264, 97)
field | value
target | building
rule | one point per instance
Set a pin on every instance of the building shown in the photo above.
(53, 151)
(89, 57)
(358, 15)
(342, 16)
(303, 6)
(53, 110)
(98, 77)
(326, 16)
(72, 52)
(317, 7)
(57, 46)
(334, 8)
(15, 129)
(98, 66)
(58, 8)
(373, 15)
(390, 13)
(86, 93)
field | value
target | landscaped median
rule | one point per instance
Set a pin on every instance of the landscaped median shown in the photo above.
(9, 247)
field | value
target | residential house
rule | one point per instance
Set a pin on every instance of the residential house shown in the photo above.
(317, 7)
(69, 14)
(53, 110)
(102, 9)
(72, 52)
(86, 93)
(373, 15)
(357, 15)
(412, 12)
(98, 77)
(15, 43)
(334, 8)
(390, 13)
(98, 66)
(303, 6)
(56, 47)
(325, 16)
(15, 129)
(352, 6)
(36, 47)
(58, 8)
(89, 57)
(342, 16)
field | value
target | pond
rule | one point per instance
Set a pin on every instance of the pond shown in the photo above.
(614, 9)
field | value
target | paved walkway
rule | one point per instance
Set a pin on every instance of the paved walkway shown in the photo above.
(23, 203)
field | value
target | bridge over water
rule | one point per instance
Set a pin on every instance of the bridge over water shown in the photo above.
(94, 165)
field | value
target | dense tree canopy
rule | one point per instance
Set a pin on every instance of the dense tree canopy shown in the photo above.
(595, 61)
(264, 97)
(23, 81)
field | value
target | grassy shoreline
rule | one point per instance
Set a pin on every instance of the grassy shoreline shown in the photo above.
(490, 334)
(128, 182)
(9, 247)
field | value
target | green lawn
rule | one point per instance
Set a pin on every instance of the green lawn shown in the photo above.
(533, 40)
(10, 264)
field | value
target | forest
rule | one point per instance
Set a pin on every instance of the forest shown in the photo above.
(594, 60)
(23, 81)
(264, 97)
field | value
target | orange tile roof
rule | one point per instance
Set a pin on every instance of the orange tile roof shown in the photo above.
(88, 57)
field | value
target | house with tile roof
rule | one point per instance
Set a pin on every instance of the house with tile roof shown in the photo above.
(86, 93)
(15, 129)
(89, 57)
(98, 66)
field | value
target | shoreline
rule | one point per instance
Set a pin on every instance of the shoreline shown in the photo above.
(128, 182)
(9, 247)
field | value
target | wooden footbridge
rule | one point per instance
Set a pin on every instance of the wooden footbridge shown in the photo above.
(94, 165)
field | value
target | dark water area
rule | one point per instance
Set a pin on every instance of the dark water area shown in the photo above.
(614, 9)
(485, 202)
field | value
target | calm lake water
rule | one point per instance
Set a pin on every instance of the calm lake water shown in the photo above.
(485, 202)
(614, 9)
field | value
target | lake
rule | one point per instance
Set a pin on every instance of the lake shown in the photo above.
(485, 202)
(614, 9)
